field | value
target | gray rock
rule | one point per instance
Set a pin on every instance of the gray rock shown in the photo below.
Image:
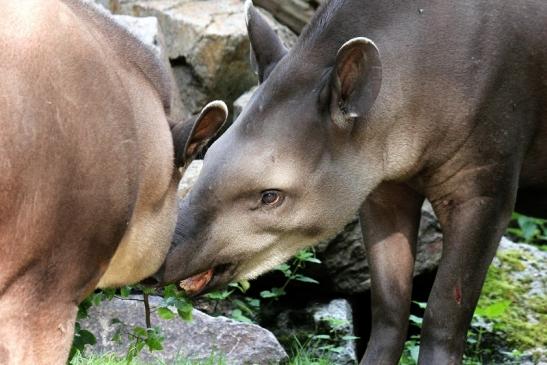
(533, 263)
(522, 267)
(332, 324)
(197, 339)
(295, 14)
(206, 41)
(148, 31)
(189, 178)
(243, 100)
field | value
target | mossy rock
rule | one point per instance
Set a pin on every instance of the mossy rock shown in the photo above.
(512, 311)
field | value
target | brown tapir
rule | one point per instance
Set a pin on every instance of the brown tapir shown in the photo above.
(448, 103)
(88, 168)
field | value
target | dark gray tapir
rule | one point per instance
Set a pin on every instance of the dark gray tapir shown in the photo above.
(444, 100)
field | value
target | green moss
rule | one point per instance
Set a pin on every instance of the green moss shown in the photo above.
(524, 322)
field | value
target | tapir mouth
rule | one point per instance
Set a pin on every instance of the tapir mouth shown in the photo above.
(207, 280)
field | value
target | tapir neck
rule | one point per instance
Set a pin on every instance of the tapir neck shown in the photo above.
(341, 20)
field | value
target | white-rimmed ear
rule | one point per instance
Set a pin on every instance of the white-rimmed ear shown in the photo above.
(191, 136)
(355, 81)
(266, 47)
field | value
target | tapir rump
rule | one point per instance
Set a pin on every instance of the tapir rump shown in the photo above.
(380, 105)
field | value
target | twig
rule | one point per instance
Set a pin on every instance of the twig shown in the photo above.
(147, 310)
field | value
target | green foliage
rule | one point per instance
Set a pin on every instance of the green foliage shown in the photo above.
(302, 356)
(291, 272)
(334, 339)
(306, 353)
(174, 302)
(528, 229)
(502, 316)
(172, 297)
(82, 338)
(506, 302)
(111, 359)
(247, 308)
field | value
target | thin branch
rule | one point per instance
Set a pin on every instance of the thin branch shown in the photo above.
(147, 310)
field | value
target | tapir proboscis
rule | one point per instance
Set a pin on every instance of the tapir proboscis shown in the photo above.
(380, 105)
(89, 168)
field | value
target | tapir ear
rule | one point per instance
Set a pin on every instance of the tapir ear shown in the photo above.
(266, 47)
(355, 81)
(190, 137)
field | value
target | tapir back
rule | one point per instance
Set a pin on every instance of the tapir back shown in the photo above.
(446, 65)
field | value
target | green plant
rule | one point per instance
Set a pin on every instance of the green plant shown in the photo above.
(247, 307)
(83, 337)
(291, 272)
(412, 345)
(334, 339)
(173, 303)
(528, 229)
(112, 359)
(306, 353)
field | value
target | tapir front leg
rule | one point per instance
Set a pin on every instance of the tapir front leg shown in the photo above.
(390, 219)
(474, 212)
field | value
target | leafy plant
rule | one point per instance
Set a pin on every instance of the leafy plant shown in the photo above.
(291, 272)
(173, 303)
(528, 229)
(247, 307)
(306, 354)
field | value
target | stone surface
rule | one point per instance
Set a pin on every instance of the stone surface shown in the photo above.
(293, 13)
(533, 263)
(331, 323)
(243, 100)
(207, 44)
(189, 178)
(197, 339)
(206, 41)
(525, 266)
(148, 31)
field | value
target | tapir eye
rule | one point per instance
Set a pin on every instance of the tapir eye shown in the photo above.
(271, 198)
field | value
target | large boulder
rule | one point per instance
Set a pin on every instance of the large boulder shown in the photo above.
(189, 178)
(148, 31)
(199, 339)
(293, 13)
(207, 44)
(243, 100)
(510, 323)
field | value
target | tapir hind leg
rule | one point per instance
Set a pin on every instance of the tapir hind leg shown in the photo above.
(390, 220)
(474, 212)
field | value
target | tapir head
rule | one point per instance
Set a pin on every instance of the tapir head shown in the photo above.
(289, 172)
